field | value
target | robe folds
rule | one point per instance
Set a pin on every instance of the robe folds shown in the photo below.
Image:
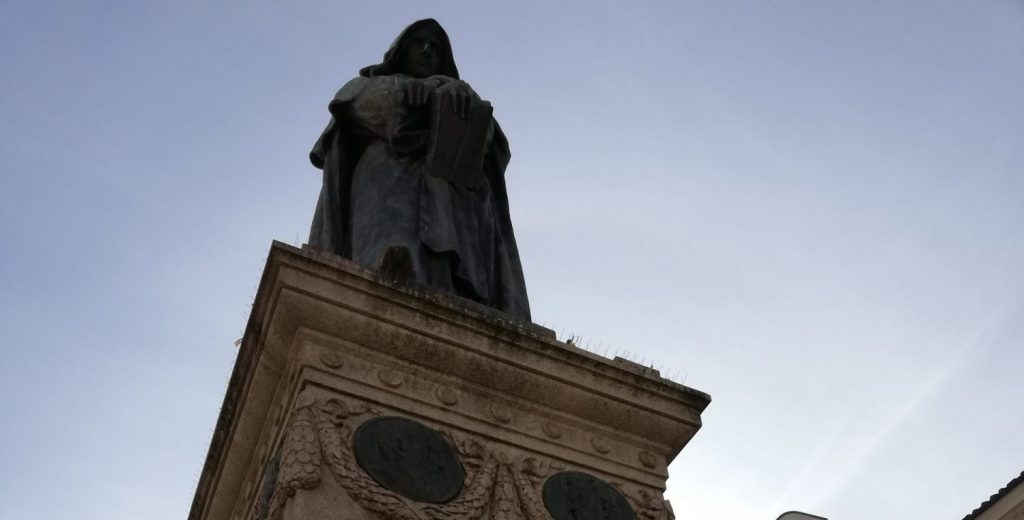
(378, 196)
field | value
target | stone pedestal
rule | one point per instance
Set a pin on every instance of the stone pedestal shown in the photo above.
(354, 399)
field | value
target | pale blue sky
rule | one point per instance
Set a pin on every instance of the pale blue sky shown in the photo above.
(812, 210)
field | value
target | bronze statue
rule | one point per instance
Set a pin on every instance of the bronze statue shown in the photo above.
(413, 177)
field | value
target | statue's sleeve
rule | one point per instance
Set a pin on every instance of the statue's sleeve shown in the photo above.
(371, 106)
(368, 107)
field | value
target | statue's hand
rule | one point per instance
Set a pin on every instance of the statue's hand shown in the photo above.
(462, 96)
(416, 92)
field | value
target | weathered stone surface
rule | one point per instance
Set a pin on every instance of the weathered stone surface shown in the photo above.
(330, 348)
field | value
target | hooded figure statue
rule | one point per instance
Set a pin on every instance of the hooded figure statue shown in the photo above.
(380, 207)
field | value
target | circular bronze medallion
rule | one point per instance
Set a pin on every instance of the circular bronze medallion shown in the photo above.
(570, 495)
(410, 459)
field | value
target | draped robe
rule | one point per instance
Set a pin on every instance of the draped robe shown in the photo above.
(377, 196)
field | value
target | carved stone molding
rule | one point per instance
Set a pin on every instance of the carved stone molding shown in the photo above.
(499, 486)
(446, 395)
(501, 413)
(551, 429)
(390, 378)
(648, 459)
(332, 360)
(600, 445)
(329, 348)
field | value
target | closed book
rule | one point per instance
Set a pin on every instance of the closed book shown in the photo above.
(458, 145)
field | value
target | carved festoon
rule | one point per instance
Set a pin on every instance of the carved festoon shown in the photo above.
(322, 437)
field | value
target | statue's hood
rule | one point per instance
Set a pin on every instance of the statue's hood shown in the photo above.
(394, 53)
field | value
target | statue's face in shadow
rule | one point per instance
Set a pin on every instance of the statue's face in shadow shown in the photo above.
(422, 55)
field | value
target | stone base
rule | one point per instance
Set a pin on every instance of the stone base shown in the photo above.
(354, 399)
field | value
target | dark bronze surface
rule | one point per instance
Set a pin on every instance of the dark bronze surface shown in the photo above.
(420, 199)
(572, 495)
(410, 459)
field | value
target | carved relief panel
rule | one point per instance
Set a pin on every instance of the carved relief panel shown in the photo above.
(398, 468)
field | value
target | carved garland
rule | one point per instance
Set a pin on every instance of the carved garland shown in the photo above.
(497, 487)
